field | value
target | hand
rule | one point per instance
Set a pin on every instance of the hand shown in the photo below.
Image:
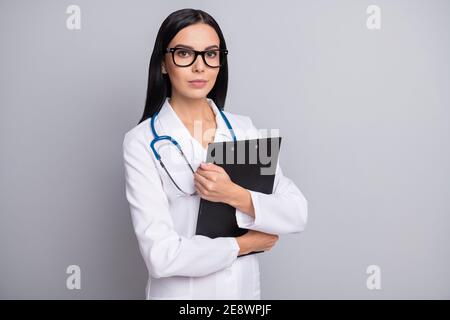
(256, 241)
(213, 183)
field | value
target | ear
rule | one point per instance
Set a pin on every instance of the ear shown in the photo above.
(163, 68)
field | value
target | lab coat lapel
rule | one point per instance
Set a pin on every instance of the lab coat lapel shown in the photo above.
(172, 126)
(222, 131)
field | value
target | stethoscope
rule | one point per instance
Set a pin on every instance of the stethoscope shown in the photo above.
(158, 138)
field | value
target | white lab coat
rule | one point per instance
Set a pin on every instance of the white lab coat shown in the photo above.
(183, 265)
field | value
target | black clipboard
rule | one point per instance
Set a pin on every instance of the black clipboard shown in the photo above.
(249, 163)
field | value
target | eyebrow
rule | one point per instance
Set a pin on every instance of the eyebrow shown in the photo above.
(189, 47)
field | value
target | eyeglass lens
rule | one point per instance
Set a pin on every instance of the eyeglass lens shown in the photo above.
(184, 57)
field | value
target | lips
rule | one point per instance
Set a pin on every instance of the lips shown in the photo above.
(197, 81)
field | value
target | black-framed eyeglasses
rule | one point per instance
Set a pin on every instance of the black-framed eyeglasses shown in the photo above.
(183, 57)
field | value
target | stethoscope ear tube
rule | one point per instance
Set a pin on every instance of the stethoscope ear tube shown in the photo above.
(228, 125)
(173, 181)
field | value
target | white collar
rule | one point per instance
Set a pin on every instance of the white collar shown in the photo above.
(171, 125)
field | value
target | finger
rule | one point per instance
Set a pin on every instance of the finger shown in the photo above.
(202, 180)
(211, 167)
(210, 175)
(200, 189)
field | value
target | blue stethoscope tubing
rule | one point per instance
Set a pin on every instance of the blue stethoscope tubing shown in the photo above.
(158, 138)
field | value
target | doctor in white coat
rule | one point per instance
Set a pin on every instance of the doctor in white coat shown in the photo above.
(187, 82)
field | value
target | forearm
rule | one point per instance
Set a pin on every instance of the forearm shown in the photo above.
(240, 198)
(244, 245)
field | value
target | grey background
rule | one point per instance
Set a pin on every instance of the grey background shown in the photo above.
(364, 115)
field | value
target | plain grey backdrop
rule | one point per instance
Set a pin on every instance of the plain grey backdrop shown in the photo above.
(364, 115)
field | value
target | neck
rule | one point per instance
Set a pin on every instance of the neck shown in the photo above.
(191, 110)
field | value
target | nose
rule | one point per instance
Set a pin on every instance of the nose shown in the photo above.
(199, 64)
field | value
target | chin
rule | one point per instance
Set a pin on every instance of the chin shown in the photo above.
(197, 93)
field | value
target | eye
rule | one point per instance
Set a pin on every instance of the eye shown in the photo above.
(211, 54)
(182, 53)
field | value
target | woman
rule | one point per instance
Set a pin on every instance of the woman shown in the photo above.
(187, 87)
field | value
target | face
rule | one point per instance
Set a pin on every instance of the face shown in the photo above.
(198, 37)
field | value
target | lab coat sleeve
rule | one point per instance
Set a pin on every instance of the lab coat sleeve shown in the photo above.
(165, 252)
(282, 212)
